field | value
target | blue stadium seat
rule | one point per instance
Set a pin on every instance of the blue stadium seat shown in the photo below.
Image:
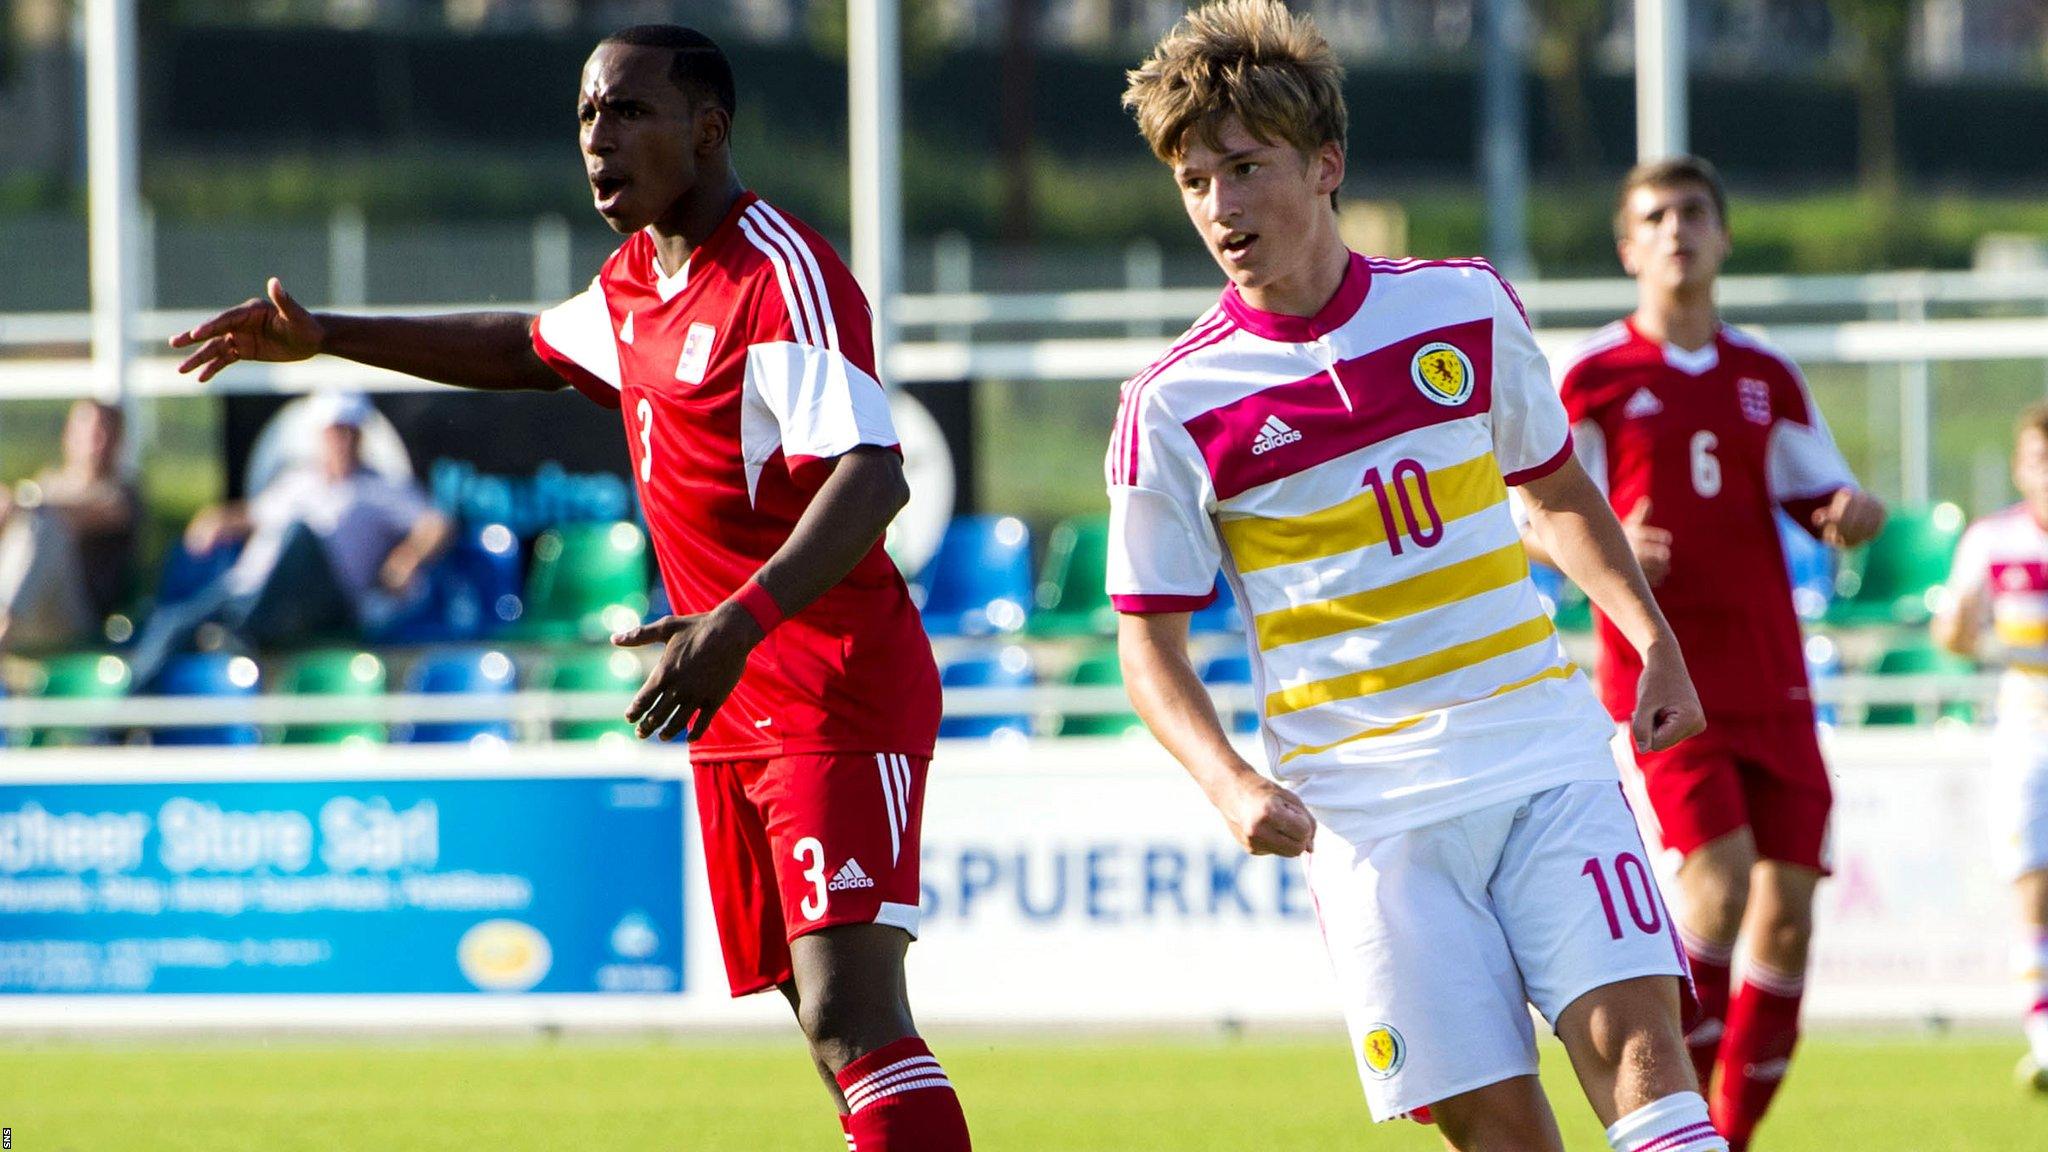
(1009, 668)
(1811, 566)
(207, 674)
(1221, 615)
(1823, 663)
(979, 582)
(459, 671)
(473, 592)
(1232, 670)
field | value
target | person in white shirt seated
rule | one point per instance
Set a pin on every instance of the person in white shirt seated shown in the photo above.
(331, 546)
(67, 538)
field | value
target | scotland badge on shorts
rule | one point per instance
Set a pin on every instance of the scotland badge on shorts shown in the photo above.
(1442, 374)
(1383, 1051)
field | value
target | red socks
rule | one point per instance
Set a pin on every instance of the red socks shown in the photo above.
(901, 1101)
(1706, 1017)
(1763, 1027)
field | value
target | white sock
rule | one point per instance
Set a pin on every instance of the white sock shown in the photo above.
(2033, 965)
(1676, 1123)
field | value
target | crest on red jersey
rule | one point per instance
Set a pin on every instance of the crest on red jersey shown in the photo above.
(1756, 400)
(696, 355)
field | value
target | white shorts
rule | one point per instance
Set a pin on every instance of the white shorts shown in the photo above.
(2019, 800)
(1442, 936)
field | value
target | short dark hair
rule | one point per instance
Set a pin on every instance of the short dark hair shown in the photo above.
(1663, 174)
(699, 66)
(2033, 419)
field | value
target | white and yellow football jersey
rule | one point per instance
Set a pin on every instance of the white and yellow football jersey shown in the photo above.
(1349, 475)
(2003, 559)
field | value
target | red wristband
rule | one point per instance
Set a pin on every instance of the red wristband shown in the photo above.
(758, 604)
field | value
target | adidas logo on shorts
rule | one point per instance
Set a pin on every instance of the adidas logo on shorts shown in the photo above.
(849, 876)
(1274, 433)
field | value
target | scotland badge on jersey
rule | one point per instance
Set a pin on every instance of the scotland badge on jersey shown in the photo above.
(1442, 373)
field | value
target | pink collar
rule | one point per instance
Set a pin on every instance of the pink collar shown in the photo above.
(1303, 329)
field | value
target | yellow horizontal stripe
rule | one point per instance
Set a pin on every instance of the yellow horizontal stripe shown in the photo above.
(1412, 671)
(1434, 589)
(2022, 633)
(1561, 672)
(1459, 490)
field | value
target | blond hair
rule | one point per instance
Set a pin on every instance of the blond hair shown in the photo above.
(1254, 58)
(1665, 173)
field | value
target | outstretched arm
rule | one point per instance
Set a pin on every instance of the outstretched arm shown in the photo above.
(706, 653)
(1263, 816)
(489, 350)
(1568, 513)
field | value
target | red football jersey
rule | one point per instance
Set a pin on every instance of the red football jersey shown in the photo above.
(737, 377)
(1715, 439)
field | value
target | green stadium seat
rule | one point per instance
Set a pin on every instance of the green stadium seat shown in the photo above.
(587, 582)
(334, 672)
(1919, 658)
(1099, 668)
(1072, 598)
(1891, 580)
(77, 676)
(612, 670)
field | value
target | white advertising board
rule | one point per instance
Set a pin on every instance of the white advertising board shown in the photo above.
(1087, 882)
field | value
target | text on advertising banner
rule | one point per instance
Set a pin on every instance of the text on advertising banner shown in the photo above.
(342, 886)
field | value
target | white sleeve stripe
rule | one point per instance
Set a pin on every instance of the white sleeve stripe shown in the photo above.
(823, 296)
(791, 266)
(782, 281)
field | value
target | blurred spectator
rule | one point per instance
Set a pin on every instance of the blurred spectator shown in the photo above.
(67, 537)
(331, 546)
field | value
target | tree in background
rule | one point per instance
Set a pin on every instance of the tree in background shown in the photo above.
(1878, 30)
(1568, 31)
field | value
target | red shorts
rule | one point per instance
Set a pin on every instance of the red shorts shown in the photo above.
(1762, 773)
(799, 843)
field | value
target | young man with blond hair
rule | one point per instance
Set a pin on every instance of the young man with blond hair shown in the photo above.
(1699, 434)
(1999, 584)
(1339, 435)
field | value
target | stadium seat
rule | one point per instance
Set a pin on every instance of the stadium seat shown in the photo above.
(1568, 606)
(1232, 670)
(473, 592)
(1009, 668)
(78, 676)
(1823, 663)
(333, 672)
(1892, 579)
(587, 581)
(1220, 616)
(459, 671)
(1100, 668)
(1072, 598)
(979, 582)
(216, 674)
(1919, 658)
(1810, 565)
(612, 670)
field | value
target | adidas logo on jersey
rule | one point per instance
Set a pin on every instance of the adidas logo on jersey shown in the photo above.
(849, 876)
(1274, 433)
(1643, 403)
(626, 330)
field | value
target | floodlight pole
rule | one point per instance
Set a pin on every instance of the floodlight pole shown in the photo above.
(874, 109)
(1660, 79)
(1503, 154)
(110, 133)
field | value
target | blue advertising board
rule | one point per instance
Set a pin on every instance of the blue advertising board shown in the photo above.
(473, 885)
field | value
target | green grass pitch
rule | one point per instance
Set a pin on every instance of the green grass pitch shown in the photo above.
(1041, 1092)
